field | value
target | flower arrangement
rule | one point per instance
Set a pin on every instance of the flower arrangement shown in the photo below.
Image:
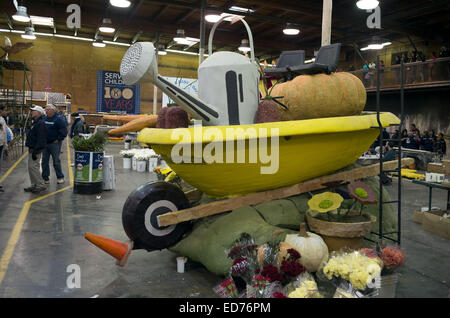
(354, 267)
(329, 203)
(266, 269)
(305, 287)
(138, 154)
(127, 153)
(391, 257)
(362, 193)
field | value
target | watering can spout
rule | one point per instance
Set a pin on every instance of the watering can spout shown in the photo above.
(139, 66)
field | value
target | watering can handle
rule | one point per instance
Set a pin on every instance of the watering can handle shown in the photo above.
(250, 36)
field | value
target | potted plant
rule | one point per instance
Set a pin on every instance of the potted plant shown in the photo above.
(89, 154)
(127, 155)
(341, 227)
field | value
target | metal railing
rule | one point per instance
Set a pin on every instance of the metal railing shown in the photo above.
(430, 72)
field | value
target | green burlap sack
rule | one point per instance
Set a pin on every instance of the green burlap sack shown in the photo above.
(210, 240)
(281, 213)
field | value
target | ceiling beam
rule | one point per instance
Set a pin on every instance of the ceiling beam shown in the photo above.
(158, 14)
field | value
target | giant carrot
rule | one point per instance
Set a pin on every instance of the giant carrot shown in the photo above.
(124, 118)
(135, 125)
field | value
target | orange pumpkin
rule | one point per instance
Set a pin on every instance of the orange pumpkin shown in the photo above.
(321, 95)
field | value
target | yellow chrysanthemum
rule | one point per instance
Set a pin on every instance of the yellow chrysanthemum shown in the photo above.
(325, 202)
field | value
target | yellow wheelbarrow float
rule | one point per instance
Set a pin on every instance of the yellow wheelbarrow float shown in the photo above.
(296, 151)
(156, 215)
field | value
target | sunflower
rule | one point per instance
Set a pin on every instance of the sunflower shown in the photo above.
(325, 202)
(362, 193)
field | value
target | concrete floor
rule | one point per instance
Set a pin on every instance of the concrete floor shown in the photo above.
(52, 238)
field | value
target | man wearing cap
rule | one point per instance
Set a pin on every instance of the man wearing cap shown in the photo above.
(56, 132)
(36, 142)
(78, 126)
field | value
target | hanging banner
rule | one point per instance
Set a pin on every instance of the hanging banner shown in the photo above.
(114, 96)
(189, 85)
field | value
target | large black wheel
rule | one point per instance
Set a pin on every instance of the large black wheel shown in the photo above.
(139, 215)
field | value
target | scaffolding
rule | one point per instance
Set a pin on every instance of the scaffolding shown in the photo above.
(18, 97)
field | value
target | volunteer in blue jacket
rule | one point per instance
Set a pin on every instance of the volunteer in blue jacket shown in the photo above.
(56, 133)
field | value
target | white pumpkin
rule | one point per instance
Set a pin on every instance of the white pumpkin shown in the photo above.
(311, 247)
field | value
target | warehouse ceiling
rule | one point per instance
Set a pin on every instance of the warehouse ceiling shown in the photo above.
(151, 20)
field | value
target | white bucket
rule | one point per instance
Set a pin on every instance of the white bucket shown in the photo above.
(127, 163)
(180, 264)
(152, 163)
(133, 164)
(141, 165)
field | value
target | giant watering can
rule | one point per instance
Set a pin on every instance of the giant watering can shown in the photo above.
(228, 83)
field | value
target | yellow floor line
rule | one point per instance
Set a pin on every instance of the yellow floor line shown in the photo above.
(13, 166)
(14, 238)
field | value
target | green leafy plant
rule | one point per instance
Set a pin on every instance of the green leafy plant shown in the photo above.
(95, 143)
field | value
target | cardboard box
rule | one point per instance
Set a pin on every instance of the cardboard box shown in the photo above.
(446, 163)
(436, 167)
(436, 224)
(418, 215)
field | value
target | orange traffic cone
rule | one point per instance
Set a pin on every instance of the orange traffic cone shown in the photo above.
(118, 250)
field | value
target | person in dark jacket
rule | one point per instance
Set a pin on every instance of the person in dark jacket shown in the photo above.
(414, 140)
(426, 142)
(78, 126)
(440, 146)
(404, 138)
(36, 142)
(56, 133)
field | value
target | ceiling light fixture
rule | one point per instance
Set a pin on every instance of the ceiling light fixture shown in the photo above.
(161, 50)
(21, 15)
(180, 37)
(99, 42)
(290, 29)
(213, 16)
(367, 4)
(120, 3)
(29, 34)
(245, 47)
(107, 26)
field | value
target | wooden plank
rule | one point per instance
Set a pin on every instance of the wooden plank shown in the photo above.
(217, 207)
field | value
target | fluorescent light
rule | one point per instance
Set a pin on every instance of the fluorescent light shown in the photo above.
(21, 15)
(72, 37)
(120, 3)
(364, 48)
(117, 43)
(184, 52)
(241, 9)
(29, 35)
(5, 30)
(46, 21)
(17, 31)
(387, 43)
(162, 52)
(107, 26)
(310, 61)
(44, 34)
(367, 4)
(375, 46)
